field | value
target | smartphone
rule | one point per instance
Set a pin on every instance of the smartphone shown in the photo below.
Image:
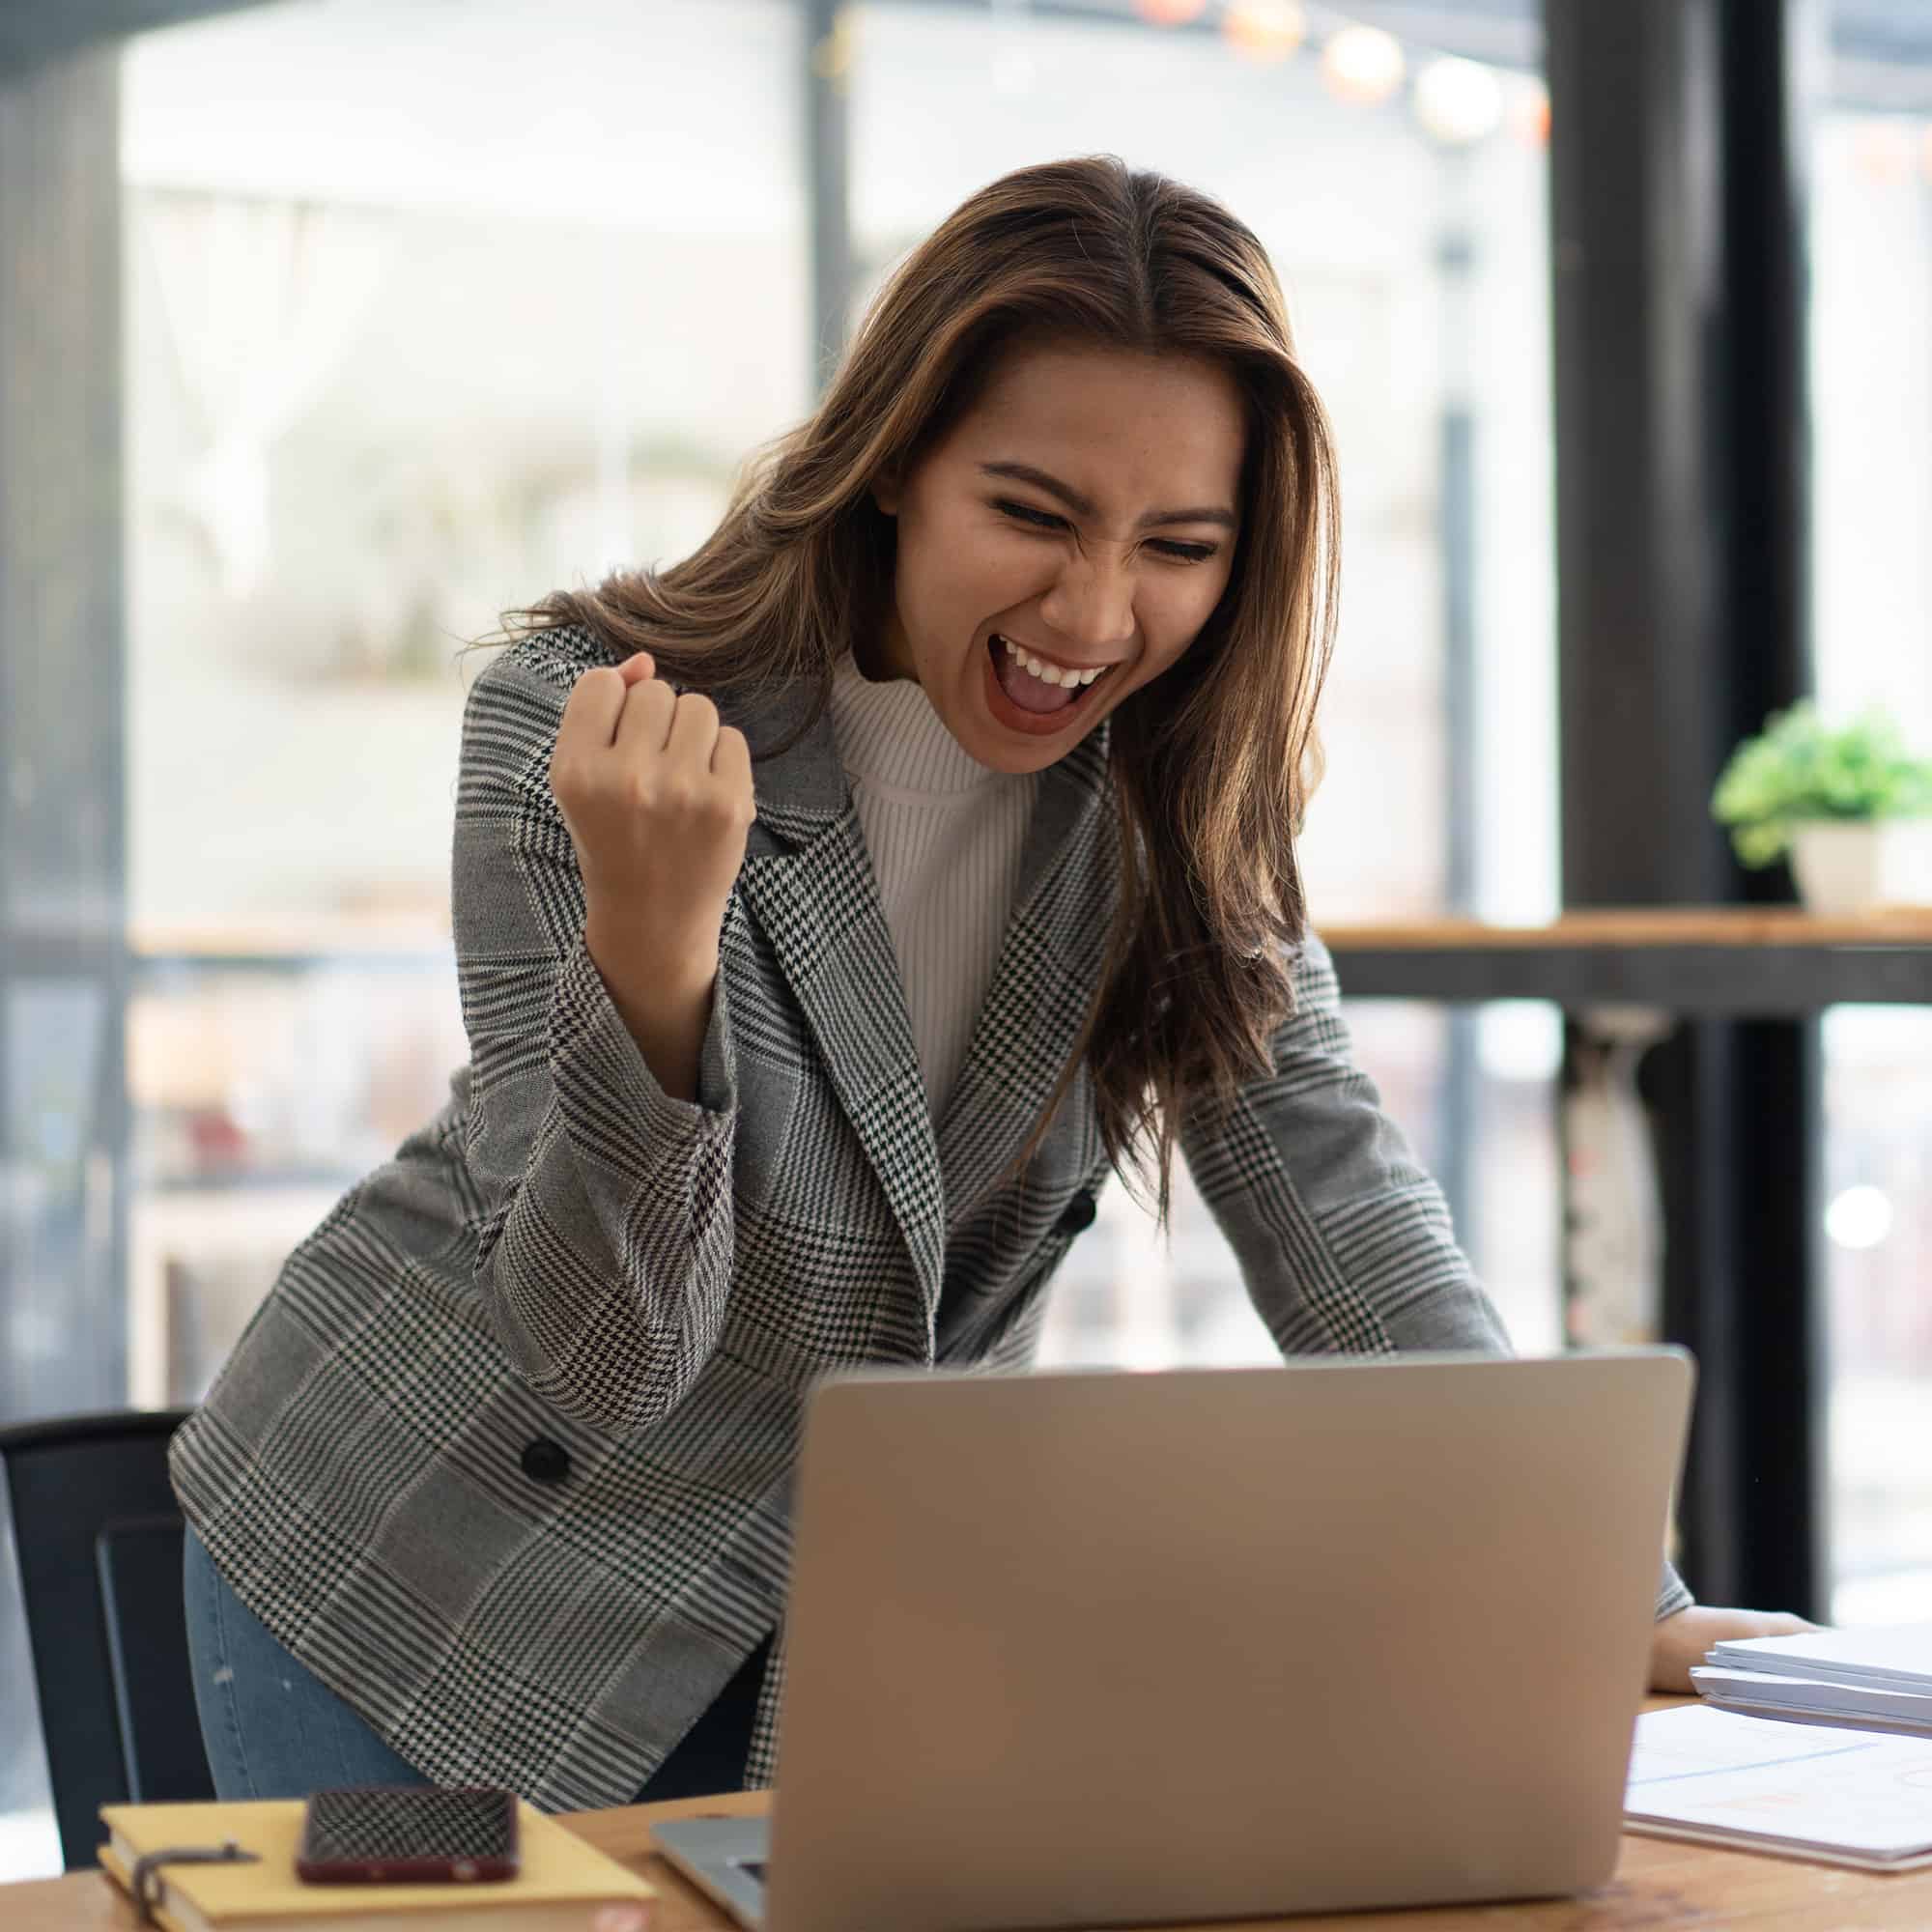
(408, 1834)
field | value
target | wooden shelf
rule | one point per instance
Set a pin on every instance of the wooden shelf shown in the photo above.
(1690, 959)
(1764, 960)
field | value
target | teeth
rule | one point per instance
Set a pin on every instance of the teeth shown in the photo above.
(1048, 674)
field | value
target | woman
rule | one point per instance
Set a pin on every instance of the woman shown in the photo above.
(834, 910)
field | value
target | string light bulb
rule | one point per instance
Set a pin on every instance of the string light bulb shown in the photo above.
(1362, 63)
(1264, 30)
(1169, 13)
(1459, 102)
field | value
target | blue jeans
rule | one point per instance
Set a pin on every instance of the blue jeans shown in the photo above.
(272, 1728)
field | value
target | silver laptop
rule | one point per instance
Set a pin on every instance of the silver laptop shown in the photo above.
(1105, 1649)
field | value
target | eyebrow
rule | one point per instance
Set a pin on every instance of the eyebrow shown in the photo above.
(1024, 472)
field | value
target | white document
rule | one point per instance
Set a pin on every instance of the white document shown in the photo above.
(1814, 1698)
(1894, 1656)
(1808, 1791)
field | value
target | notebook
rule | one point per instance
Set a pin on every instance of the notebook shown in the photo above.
(561, 1882)
(1801, 1791)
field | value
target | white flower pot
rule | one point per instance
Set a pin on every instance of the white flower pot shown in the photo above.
(1844, 866)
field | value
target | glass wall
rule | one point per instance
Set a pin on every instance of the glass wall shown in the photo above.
(514, 332)
(1870, 156)
(429, 308)
(432, 307)
(378, 397)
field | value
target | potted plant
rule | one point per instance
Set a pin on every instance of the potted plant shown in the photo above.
(1849, 803)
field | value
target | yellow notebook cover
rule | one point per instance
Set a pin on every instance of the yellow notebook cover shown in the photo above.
(561, 1881)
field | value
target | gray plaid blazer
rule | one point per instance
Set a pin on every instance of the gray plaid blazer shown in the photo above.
(505, 1456)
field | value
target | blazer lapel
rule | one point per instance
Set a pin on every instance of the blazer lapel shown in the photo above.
(1048, 968)
(808, 879)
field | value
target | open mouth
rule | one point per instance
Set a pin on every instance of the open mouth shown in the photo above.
(1042, 694)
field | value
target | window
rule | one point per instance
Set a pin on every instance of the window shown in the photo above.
(429, 309)
(514, 334)
(1870, 160)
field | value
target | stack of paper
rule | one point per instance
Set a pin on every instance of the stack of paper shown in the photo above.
(1842, 1796)
(1875, 1679)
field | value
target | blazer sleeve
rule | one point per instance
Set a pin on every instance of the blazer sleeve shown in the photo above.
(1343, 1242)
(604, 1212)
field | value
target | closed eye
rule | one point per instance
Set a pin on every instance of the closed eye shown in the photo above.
(1025, 513)
(1044, 520)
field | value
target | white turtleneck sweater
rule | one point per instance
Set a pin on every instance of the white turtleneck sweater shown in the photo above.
(945, 834)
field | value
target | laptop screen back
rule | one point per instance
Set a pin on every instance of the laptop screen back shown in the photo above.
(1103, 1648)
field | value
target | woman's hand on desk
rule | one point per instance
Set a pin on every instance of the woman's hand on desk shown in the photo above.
(1681, 1639)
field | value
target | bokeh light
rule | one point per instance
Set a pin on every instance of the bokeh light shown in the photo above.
(1264, 30)
(1458, 102)
(1859, 1217)
(1362, 63)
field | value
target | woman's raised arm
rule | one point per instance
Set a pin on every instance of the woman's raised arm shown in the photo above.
(604, 1212)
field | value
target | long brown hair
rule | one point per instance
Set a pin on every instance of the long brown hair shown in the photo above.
(1212, 763)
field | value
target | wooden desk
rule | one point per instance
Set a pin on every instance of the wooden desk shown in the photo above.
(1657, 1884)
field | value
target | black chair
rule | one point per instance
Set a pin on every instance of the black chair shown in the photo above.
(100, 1541)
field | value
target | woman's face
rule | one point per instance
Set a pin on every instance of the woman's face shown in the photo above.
(1080, 517)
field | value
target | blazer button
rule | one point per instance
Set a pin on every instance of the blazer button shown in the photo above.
(1078, 1214)
(545, 1461)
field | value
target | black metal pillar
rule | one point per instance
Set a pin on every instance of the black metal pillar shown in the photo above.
(1775, 1086)
(1677, 250)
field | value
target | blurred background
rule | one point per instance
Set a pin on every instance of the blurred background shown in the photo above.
(420, 308)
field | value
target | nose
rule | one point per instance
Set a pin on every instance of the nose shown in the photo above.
(1091, 603)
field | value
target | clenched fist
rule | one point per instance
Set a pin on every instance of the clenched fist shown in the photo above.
(657, 796)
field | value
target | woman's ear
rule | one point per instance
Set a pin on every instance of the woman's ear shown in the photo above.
(886, 492)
